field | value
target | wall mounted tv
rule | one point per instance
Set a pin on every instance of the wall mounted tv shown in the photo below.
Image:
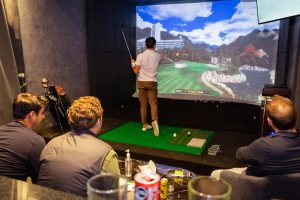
(271, 10)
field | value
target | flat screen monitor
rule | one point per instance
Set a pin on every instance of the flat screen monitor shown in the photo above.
(271, 10)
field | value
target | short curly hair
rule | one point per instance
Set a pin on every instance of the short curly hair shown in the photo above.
(84, 113)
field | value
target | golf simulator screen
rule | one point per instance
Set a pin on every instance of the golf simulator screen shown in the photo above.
(210, 50)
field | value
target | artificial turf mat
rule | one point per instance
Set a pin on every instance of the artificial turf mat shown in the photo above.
(131, 133)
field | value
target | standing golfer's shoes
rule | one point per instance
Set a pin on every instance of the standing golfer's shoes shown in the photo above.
(155, 128)
(146, 128)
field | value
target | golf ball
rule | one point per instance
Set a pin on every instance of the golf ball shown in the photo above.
(174, 135)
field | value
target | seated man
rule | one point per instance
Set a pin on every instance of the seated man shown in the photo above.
(278, 153)
(20, 146)
(68, 161)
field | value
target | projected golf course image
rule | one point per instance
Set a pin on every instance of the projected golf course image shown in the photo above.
(186, 78)
(217, 54)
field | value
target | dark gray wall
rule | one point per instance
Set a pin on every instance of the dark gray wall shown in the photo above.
(297, 93)
(9, 86)
(13, 21)
(53, 36)
(293, 78)
(111, 77)
(282, 53)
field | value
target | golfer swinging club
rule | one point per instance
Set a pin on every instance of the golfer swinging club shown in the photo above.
(145, 67)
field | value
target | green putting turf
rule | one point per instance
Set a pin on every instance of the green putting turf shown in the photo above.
(131, 133)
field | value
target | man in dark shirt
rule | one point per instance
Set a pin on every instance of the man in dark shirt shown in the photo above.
(20, 146)
(278, 153)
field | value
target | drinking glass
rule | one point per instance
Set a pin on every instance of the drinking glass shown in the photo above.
(204, 187)
(107, 187)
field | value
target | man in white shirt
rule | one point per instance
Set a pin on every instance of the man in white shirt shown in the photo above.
(145, 67)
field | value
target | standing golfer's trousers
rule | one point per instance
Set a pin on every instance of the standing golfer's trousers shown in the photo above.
(148, 91)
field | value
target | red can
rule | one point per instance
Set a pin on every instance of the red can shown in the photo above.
(147, 186)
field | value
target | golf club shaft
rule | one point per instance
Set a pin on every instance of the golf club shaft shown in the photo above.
(126, 43)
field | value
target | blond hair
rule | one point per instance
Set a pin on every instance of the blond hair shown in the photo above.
(84, 113)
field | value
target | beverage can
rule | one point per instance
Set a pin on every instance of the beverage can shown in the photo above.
(164, 188)
(147, 186)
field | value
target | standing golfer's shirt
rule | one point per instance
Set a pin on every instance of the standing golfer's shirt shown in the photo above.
(148, 62)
